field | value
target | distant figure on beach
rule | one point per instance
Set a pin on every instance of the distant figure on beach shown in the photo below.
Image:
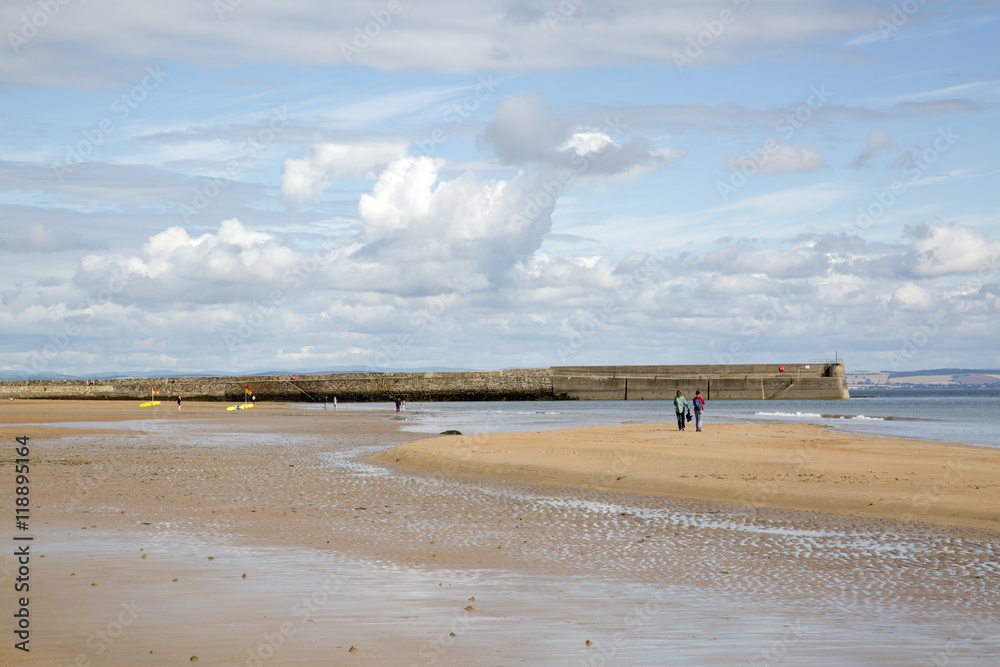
(699, 407)
(334, 403)
(404, 406)
(324, 402)
(178, 402)
(680, 405)
(398, 403)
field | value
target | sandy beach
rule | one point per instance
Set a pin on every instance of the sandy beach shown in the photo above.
(785, 466)
(609, 545)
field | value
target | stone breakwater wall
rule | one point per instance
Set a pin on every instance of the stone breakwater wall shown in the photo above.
(633, 383)
(514, 385)
(824, 381)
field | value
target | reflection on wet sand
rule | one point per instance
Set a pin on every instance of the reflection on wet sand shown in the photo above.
(341, 552)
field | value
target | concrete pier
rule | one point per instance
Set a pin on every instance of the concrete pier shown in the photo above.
(716, 382)
(632, 383)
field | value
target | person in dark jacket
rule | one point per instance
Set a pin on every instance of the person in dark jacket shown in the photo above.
(680, 406)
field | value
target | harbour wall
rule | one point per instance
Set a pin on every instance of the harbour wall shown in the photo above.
(633, 383)
(716, 382)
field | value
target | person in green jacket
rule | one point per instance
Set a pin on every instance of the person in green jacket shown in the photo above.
(680, 405)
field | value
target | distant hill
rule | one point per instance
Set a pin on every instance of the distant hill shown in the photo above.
(945, 371)
(938, 377)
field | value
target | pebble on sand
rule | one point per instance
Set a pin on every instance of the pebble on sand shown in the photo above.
(352, 650)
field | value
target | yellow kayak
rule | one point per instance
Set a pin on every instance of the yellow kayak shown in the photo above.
(240, 407)
(148, 403)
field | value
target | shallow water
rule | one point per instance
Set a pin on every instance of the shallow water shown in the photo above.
(947, 416)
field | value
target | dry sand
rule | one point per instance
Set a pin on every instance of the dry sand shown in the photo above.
(148, 518)
(787, 466)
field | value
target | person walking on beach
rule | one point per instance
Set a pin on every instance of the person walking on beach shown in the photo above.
(680, 406)
(324, 402)
(178, 402)
(699, 407)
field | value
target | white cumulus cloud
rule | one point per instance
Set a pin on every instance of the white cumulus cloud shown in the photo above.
(939, 250)
(305, 178)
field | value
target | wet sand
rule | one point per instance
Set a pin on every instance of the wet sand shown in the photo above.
(341, 550)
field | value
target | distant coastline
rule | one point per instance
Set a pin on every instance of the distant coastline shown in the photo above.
(939, 379)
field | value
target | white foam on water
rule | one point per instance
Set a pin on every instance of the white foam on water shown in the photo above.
(807, 415)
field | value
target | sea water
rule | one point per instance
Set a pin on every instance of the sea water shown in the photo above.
(971, 417)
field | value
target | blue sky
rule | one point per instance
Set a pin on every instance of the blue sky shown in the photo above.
(388, 185)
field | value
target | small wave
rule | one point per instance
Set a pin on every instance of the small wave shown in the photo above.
(810, 415)
(813, 415)
(856, 418)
